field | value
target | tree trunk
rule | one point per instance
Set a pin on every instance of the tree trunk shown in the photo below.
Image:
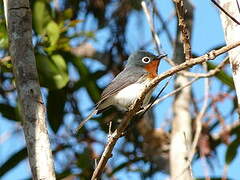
(232, 34)
(181, 134)
(19, 22)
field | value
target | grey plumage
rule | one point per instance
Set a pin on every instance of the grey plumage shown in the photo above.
(122, 80)
(133, 73)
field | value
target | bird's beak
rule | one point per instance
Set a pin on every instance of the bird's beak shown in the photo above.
(160, 57)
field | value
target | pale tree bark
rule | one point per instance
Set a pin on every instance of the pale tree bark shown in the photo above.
(19, 21)
(181, 134)
(232, 34)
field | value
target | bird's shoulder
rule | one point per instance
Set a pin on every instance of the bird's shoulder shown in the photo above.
(125, 78)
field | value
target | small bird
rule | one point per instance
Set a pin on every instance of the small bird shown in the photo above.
(127, 86)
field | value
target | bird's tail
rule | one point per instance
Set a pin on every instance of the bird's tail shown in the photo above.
(85, 120)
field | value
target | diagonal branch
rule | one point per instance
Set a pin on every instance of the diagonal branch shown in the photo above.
(150, 22)
(107, 153)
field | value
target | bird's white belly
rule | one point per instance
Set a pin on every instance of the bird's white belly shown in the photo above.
(127, 96)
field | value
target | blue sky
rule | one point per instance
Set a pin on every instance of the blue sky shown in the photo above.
(207, 33)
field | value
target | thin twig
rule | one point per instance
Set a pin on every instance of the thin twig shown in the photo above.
(225, 171)
(205, 167)
(210, 73)
(150, 22)
(107, 153)
(198, 125)
(199, 118)
(183, 27)
(196, 76)
(146, 108)
(164, 23)
(167, 95)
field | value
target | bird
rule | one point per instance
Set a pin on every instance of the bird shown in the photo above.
(126, 87)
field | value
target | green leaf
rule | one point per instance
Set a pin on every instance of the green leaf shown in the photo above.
(3, 36)
(41, 16)
(53, 32)
(13, 161)
(222, 76)
(52, 71)
(68, 13)
(55, 108)
(232, 151)
(87, 79)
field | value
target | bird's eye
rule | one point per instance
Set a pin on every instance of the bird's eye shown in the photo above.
(146, 60)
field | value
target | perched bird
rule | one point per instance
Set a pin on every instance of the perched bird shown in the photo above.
(127, 86)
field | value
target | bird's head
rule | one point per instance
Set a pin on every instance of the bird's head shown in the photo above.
(146, 60)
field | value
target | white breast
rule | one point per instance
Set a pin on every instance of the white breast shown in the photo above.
(127, 96)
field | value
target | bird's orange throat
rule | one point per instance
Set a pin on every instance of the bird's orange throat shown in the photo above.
(152, 68)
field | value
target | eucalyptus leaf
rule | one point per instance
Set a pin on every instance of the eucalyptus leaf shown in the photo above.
(41, 16)
(52, 71)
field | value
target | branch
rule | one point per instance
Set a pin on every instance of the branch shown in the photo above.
(199, 119)
(210, 73)
(168, 95)
(183, 27)
(19, 21)
(164, 23)
(107, 153)
(196, 76)
(199, 60)
(150, 22)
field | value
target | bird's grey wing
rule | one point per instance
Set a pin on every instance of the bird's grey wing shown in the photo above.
(127, 77)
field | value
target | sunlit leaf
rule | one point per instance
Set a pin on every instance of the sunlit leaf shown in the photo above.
(52, 71)
(3, 36)
(53, 32)
(68, 13)
(41, 16)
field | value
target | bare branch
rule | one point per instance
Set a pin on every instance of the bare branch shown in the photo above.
(196, 76)
(199, 119)
(199, 60)
(210, 73)
(183, 27)
(168, 95)
(150, 22)
(107, 153)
